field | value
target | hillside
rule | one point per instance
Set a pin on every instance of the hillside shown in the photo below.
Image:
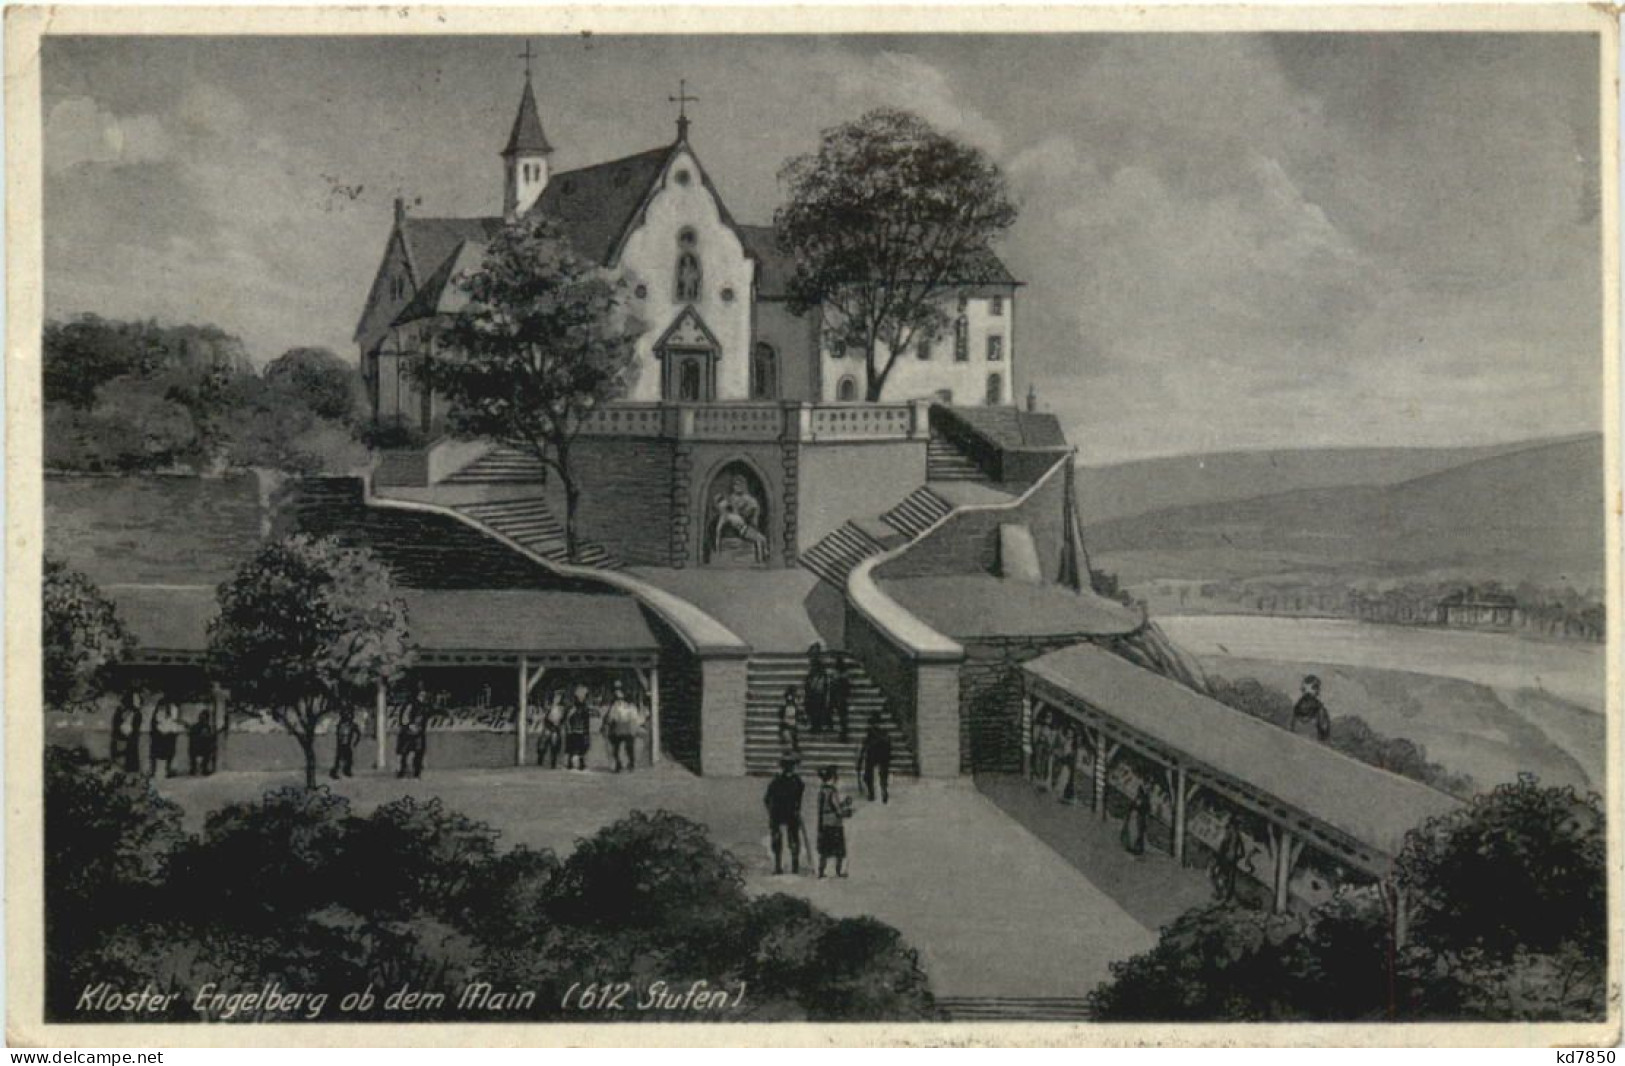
(1533, 514)
(1127, 489)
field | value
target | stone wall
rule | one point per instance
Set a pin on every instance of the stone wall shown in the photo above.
(153, 529)
(857, 480)
(722, 741)
(968, 542)
(626, 496)
(990, 694)
(923, 695)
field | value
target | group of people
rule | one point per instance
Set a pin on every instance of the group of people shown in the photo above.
(822, 702)
(164, 731)
(567, 728)
(785, 826)
(1059, 759)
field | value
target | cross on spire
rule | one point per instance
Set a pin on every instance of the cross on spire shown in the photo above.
(682, 100)
(527, 57)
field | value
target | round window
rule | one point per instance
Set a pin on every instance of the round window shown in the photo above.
(727, 295)
(682, 177)
(641, 291)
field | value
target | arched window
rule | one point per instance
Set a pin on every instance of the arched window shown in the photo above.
(995, 389)
(764, 373)
(961, 340)
(847, 390)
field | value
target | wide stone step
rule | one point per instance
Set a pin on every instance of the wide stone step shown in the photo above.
(1000, 1008)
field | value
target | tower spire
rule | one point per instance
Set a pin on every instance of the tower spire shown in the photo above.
(524, 160)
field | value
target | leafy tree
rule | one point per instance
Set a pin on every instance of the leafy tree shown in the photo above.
(886, 220)
(543, 341)
(1521, 868)
(325, 384)
(83, 637)
(304, 627)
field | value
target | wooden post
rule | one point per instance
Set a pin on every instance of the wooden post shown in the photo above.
(1179, 815)
(1029, 711)
(380, 758)
(1104, 750)
(522, 713)
(654, 715)
(218, 703)
(1286, 848)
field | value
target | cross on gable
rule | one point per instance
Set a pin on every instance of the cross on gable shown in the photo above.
(527, 57)
(682, 100)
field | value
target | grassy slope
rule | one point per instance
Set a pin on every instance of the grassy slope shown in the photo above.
(1535, 513)
(1488, 733)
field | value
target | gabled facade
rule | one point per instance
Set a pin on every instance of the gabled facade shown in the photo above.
(713, 293)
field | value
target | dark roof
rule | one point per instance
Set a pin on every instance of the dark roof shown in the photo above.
(166, 618)
(1373, 806)
(527, 135)
(437, 295)
(774, 266)
(175, 619)
(431, 241)
(527, 621)
(1469, 598)
(596, 205)
(969, 606)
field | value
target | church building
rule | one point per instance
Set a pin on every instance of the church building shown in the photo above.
(714, 291)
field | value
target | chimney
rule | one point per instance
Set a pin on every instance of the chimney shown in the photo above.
(400, 210)
(1032, 398)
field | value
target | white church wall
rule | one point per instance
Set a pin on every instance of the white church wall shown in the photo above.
(649, 259)
(913, 378)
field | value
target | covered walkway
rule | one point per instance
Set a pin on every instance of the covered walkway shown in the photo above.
(1306, 793)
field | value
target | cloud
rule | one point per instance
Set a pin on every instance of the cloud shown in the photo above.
(79, 131)
(904, 80)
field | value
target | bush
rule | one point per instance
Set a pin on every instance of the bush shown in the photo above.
(295, 888)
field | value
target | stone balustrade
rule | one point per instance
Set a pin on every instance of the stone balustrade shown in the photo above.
(763, 421)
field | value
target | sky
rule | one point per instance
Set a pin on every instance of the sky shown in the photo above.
(1229, 241)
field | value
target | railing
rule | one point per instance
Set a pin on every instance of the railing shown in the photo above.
(762, 421)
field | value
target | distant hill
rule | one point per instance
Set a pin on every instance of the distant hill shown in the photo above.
(1125, 489)
(1535, 513)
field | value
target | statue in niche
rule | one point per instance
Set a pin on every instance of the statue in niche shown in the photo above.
(736, 521)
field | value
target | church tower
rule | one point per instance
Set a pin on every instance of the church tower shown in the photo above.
(524, 161)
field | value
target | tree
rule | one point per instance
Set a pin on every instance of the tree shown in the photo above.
(306, 626)
(83, 637)
(887, 219)
(543, 341)
(325, 384)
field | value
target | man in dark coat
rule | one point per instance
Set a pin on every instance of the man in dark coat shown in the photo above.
(874, 759)
(783, 802)
(346, 735)
(840, 698)
(1309, 711)
(201, 742)
(1229, 862)
(577, 730)
(815, 686)
(1134, 823)
(413, 741)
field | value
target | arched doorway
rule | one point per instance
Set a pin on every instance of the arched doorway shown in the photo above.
(736, 532)
(847, 390)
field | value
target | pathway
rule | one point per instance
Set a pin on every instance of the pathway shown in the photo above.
(992, 909)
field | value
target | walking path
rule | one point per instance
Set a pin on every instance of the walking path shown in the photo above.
(992, 910)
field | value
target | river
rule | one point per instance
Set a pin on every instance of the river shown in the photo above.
(1569, 671)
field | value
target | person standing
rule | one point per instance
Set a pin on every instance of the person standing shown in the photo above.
(783, 803)
(790, 721)
(551, 741)
(346, 735)
(201, 745)
(413, 739)
(1229, 862)
(1066, 751)
(125, 747)
(815, 689)
(577, 730)
(1309, 711)
(840, 697)
(164, 739)
(621, 725)
(1043, 740)
(1134, 822)
(874, 760)
(833, 811)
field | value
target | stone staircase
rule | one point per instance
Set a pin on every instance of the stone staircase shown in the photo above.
(768, 675)
(501, 466)
(530, 523)
(857, 539)
(945, 462)
(1014, 1008)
